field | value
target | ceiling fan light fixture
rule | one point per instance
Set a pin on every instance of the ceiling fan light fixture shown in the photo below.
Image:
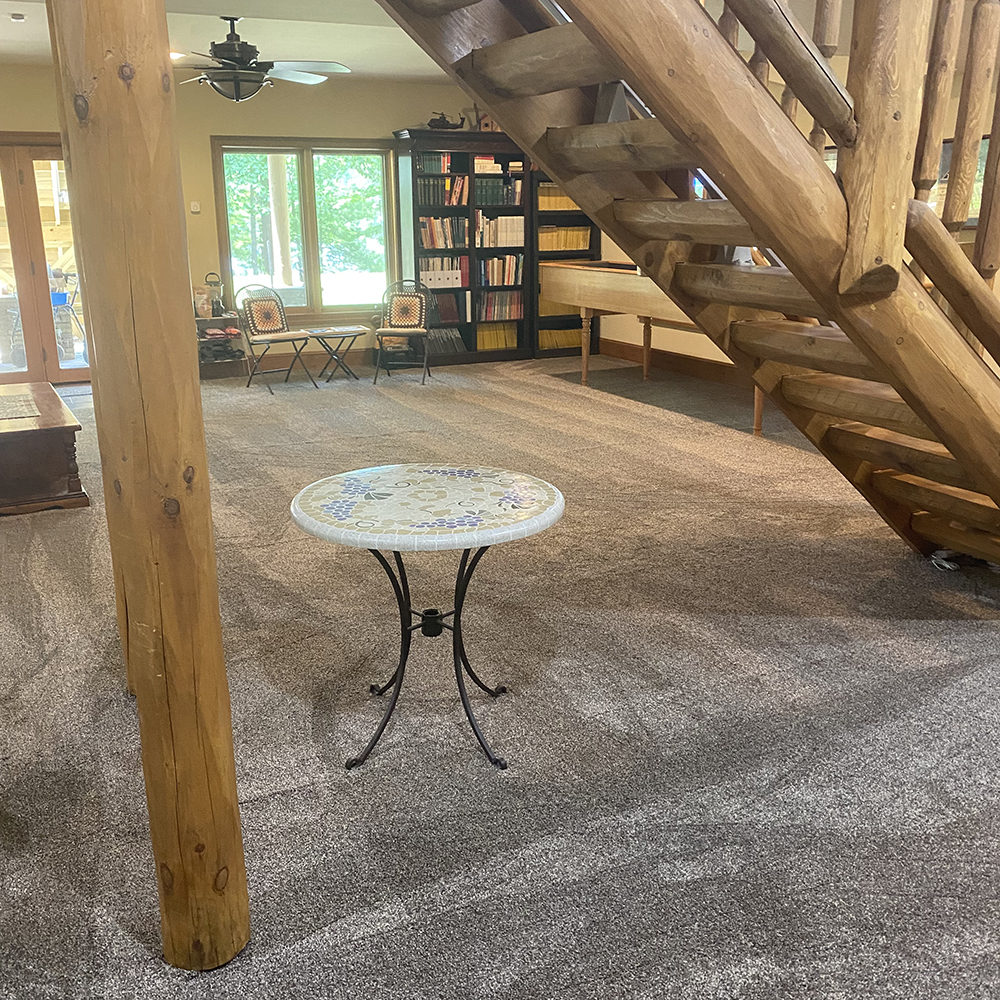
(177, 55)
(237, 84)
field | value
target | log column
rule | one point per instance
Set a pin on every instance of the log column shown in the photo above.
(119, 140)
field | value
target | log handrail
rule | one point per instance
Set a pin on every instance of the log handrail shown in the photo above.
(791, 50)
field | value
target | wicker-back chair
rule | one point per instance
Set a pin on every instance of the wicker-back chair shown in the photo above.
(406, 313)
(262, 316)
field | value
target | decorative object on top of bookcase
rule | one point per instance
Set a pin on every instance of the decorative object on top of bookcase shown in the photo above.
(444, 123)
(561, 231)
(466, 194)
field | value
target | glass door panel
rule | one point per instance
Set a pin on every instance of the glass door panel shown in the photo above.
(60, 266)
(13, 358)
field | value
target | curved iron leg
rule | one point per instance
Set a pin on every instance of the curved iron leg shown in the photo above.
(380, 689)
(401, 589)
(465, 570)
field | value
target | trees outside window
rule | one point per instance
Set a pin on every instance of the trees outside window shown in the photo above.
(308, 222)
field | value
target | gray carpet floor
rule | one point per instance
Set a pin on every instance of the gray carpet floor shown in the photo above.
(752, 738)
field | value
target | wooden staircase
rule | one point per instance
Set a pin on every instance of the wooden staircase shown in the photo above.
(890, 376)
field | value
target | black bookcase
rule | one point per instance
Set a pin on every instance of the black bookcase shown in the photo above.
(493, 309)
(557, 333)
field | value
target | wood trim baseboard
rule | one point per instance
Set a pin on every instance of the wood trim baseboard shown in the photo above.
(682, 364)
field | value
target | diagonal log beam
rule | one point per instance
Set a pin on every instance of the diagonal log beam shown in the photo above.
(115, 88)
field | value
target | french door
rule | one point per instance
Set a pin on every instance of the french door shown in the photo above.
(41, 305)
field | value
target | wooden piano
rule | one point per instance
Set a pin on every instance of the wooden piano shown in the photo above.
(609, 288)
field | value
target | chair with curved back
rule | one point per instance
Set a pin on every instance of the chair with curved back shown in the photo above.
(262, 315)
(405, 315)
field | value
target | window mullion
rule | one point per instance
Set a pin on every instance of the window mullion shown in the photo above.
(310, 234)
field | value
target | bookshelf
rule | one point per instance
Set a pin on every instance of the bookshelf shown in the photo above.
(560, 231)
(465, 197)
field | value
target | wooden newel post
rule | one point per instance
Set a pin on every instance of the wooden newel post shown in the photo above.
(119, 139)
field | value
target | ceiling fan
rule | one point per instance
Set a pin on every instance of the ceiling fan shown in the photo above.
(238, 74)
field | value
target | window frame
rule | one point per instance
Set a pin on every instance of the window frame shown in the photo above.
(304, 149)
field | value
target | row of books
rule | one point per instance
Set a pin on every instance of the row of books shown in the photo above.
(507, 270)
(496, 336)
(564, 238)
(552, 199)
(503, 231)
(444, 272)
(499, 191)
(433, 163)
(491, 165)
(443, 190)
(438, 233)
(501, 305)
(549, 340)
(454, 307)
(447, 340)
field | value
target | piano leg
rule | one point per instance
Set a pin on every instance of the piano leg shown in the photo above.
(647, 345)
(758, 411)
(587, 315)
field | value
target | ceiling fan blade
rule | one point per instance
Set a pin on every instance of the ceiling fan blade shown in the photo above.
(312, 67)
(221, 62)
(294, 76)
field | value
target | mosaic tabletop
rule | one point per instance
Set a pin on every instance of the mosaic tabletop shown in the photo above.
(418, 508)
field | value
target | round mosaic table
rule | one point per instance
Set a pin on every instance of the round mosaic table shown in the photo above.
(427, 508)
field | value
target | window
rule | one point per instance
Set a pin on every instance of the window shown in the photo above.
(311, 222)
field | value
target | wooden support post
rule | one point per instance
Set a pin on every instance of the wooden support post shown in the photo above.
(758, 411)
(647, 345)
(973, 110)
(884, 79)
(986, 256)
(826, 35)
(587, 315)
(760, 67)
(937, 95)
(116, 99)
(729, 25)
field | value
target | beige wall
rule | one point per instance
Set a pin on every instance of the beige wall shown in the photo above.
(340, 109)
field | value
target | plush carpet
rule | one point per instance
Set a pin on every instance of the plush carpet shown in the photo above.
(752, 738)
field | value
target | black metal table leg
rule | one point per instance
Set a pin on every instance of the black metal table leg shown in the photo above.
(401, 589)
(431, 623)
(465, 570)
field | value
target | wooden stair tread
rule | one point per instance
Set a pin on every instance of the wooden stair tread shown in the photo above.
(973, 509)
(855, 399)
(541, 62)
(888, 449)
(438, 8)
(948, 535)
(774, 288)
(715, 222)
(640, 145)
(821, 348)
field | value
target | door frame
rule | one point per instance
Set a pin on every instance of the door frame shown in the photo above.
(18, 153)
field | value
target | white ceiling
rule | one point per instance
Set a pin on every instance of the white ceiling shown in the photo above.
(357, 33)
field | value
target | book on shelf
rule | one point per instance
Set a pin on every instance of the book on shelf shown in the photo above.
(508, 270)
(447, 340)
(549, 340)
(496, 336)
(563, 238)
(488, 165)
(505, 305)
(499, 191)
(502, 231)
(552, 199)
(449, 305)
(443, 190)
(444, 272)
(446, 232)
(434, 163)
